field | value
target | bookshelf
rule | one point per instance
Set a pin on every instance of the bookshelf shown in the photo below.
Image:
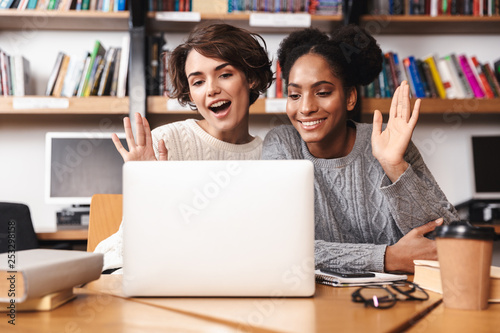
(20, 21)
(119, 21)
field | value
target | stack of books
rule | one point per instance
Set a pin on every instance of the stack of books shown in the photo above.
(43, 279)
(14, 75)
(448, 77)
(99, 73)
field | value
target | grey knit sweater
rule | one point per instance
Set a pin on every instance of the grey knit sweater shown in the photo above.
(358, 210)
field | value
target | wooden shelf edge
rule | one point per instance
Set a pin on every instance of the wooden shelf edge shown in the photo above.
(438, 106)
(424, 24)
(322, 22)
(158, 105)
(245, 16)
(76, 105)
(12, 19)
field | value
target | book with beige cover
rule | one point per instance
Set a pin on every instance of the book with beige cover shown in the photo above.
(428, 276)
(35, 273)
(44, 303)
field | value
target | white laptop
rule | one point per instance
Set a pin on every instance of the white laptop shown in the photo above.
(218, 228)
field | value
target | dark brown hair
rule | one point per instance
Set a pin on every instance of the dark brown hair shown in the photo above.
(237, 46)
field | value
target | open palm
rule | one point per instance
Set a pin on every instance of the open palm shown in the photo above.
(389, 145)
(142, 150)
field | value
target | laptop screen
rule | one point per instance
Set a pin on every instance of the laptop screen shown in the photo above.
(486, 162)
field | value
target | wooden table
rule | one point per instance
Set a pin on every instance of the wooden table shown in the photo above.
(75, 239)
(101, 307)
(63, 235)
(451, 320)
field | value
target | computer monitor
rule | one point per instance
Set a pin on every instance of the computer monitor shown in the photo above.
(81, 164)
(486, 166)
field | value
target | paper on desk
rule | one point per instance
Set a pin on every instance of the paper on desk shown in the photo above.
(336, 281)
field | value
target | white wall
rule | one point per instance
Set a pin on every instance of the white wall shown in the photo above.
(443, 140)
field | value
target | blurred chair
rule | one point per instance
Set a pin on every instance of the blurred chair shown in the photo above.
(105, 218)
(16, 228)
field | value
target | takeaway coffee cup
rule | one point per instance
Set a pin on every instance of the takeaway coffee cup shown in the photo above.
(464, 254)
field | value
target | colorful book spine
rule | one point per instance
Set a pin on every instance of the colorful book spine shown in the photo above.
(483, 80)
(120, 5)
(435, 75)
(393, 70)
(381, 82)
(417, 81)
(490, 81)
(98, 50)
(457, 84)
(54, 74)
(279, 82)
(52, 5)
(430, 80)
(5, 4)
(32, 4)
(448, 84)
(474, 84)
(391, 86)
(489, 72)
(409, 78)
(423, 78)
(465, 83)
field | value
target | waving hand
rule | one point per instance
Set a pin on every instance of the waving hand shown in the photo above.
(389, 146)
(142, 150)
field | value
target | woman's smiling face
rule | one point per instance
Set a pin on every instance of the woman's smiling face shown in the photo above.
(221, 93)
(317, 103)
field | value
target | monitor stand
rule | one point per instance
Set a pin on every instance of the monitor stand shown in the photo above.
(74, 217)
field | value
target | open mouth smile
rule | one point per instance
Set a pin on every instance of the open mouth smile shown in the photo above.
(219, 106)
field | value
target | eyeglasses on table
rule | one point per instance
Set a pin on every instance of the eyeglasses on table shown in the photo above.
(386, 296)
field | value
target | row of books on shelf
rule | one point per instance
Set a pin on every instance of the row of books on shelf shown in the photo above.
(14, 75)
(102, 72)
(157, 53)
(316, 7)
(434, 7)
(100, 5)
(448, 77)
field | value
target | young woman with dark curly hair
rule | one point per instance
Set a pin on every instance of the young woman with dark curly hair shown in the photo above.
(374, 195)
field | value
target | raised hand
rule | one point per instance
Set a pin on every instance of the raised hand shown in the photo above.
(412, 246)
(389, 146)
(142, 150)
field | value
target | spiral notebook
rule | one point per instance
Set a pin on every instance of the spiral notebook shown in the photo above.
(336, 281)
(218, 228)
